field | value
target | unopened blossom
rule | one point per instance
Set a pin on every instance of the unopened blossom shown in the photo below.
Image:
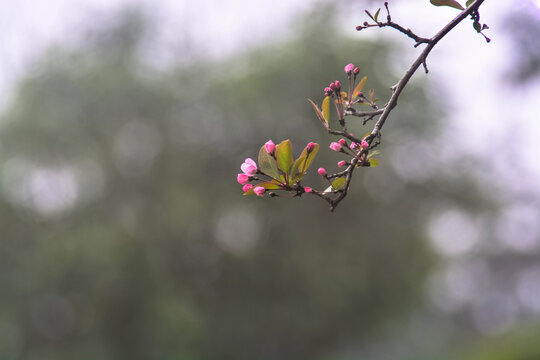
(247, 187)
(249, 167)
(242, 179)
(308, 189)
(349, 68)
(259, 190)
(354, 145)
(337, 84)
(335, 146)
(356, 70)
(342, 142)
(322, 171)
(365, 144)
(310, 147)
(270, 147)
(342, 163)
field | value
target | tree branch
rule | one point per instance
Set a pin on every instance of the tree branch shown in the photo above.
(398, 88)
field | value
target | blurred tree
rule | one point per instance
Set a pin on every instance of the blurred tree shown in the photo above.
(523, 25)
(124, 232)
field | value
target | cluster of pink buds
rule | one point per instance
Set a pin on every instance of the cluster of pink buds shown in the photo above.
(356, 150)
(350, 69)
(333, 88)
(249, 169)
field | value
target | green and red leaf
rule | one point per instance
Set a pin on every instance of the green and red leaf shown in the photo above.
(326, 109)
(450, 3)
(284, 156)
(319, 114)
(359, 87)
(267, 164)
(339, 183)
(301, 165)
(268, 185)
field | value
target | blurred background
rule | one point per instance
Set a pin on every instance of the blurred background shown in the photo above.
(123, 232)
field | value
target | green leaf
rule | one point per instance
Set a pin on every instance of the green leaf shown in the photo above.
(359, 87)
(267, 164)
(284, 156)
(326, 109)
(301, 164)
(268, 185)
(376, 17)
(319, 114)
(373, 162)
(477, 26)
(451, 3)
(373, 153)
(468, 3)
(339, 183)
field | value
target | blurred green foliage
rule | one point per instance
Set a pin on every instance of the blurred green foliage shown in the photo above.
(125, 235)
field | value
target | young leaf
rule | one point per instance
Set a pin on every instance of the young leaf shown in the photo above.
(373, 153)
(451, 3)
(468, 3)
(268, 185)
(359, 87)
(371, 95)
(339, 183)
(319, 114)
(268, 164)
(326, 109)
(284, 156)
(301, 164)
(373, 162)
(376, 17)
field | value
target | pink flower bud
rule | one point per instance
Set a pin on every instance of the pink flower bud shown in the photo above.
(327, 89)
(247, 187)
(354, 145)
(242, 179)
(332, 87)
(335, 146)
(349, 68)
(365, 144)
(308, 189)
(322, 171)
(337, 84)
(356, 70)
(359, 94)
(270, 147)
(249, 167)
(259, 190)
(342, 163)
(342, 142)
(310, 147)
